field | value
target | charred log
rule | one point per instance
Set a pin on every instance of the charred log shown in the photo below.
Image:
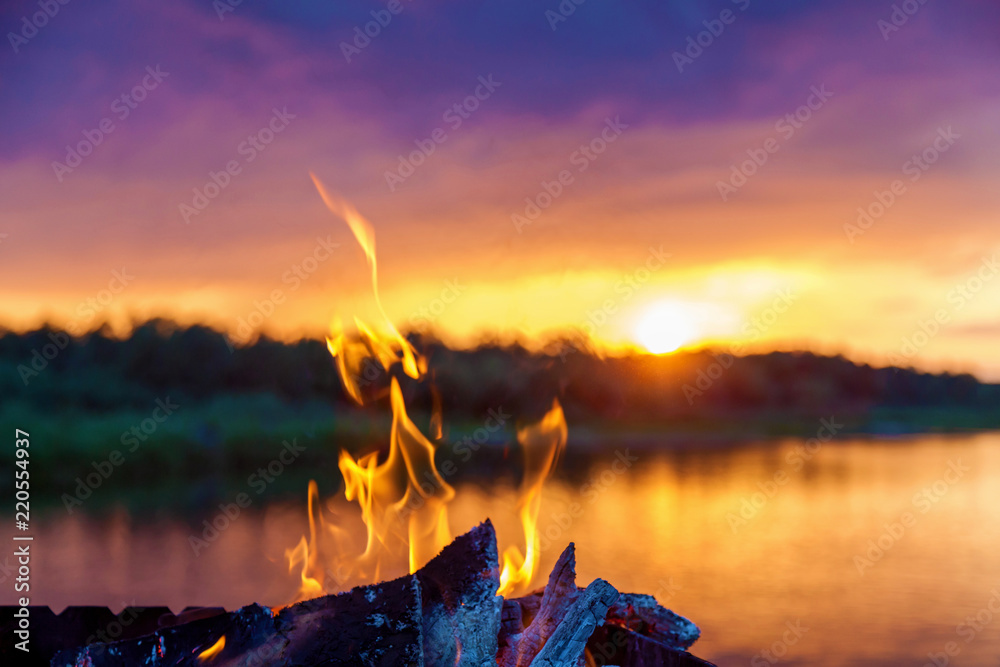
(566, 645)
(615, 645)
(461, 610)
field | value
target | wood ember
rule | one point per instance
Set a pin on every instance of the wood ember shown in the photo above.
(567, 643)
(615, 645)
(511, 627)
(639, 613)
(461, 610)
(643, 615)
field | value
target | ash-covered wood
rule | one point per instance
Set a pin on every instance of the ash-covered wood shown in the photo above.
(643, 615)
(446, 614)
(556, 599)
(639, 613)
(370, 626)
(461, 610)
(511, 627)
(566, 645)
(452, 599)
(176, 646)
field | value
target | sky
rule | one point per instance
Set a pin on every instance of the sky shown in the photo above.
(783, 175)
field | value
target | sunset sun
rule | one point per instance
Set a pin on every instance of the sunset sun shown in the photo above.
(665, 327)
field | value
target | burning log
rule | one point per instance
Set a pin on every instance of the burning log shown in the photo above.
(614, 645)
(559, 594)
(178, 645)
(446, 614)
(636, 631)
(566, 645)
(461, 610)
(644, 616)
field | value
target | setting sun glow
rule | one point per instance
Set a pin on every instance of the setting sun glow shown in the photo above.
(665, 327)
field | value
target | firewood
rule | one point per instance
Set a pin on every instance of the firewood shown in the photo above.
(73, 628)
(446, 614)
(639, 613)
(615, 645)
(247, 627)
(567, 643)
(511, 627)
(558, 596)
(364, 627)
(461, 610)
(643, 615)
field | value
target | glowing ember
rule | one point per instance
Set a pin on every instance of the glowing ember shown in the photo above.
(212, 650)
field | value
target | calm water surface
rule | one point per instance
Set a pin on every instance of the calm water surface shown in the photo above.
(879, 552)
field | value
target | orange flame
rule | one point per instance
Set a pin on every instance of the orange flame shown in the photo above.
(383, 350)
(403, 504)
(307, 553)
(403, 500)
(542, 442)
(212, 650)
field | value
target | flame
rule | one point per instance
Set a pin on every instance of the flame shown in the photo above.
(212, 650)
(384, 349)
(403, 503)
(542, 442)
(307, 552)
(403, 500)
